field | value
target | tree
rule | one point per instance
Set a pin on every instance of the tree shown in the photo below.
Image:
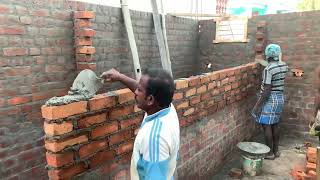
(309, 5)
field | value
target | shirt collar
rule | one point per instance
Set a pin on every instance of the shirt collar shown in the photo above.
(156, 115)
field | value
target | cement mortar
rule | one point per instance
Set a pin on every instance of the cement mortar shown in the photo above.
(84, 87)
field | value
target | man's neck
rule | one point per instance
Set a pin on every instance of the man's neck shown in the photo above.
(154, 110)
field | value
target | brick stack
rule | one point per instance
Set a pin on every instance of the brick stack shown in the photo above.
(84, 33)
(98, 134)
(310, 170)
(261, 40)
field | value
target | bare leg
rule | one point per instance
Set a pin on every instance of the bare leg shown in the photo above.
(276, 137)
(268, 139)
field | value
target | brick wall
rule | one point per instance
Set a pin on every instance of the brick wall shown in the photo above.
(298, 36)
(223, 55)
(112, 46)
(95, 138)
(37, 62)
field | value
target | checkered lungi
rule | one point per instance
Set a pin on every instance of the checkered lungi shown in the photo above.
(272, 109)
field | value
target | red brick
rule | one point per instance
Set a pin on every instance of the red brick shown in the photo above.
(15, 51)
(56, 146)
(188, 112)
(54, 68)
(10, 30)
(19, 100)
(195, 100)
(82, 23)
(57, 112)
(312, 155)
(83, 41)
(34, 51)
(130, 122)
(91, 120)
(236, 173)
(85, 32)
(184, 104)
(312, 174)
(66, 173)
(225, 81)
(212, 85)
(202, 89)
(121, 111)
(102, 101)
(120, 136)
(101, 158)
(230, 72)
(191, 92)
(232, 79)
(227, 88)
(18, 71)
(125, 95)
(177, 96)
(194, 81)
(83, 15)
(259, 35)
(51, 51)
(311, 166)
(214, 76)
(58, 160)
(181, 83)
(92, 148)
(40, 12)
(82, 66)
(84, 58)
(205, 97)
(204, 79)
(104, 129)
(4, 9)
(85, 50)
(126, 147)
(57, 129)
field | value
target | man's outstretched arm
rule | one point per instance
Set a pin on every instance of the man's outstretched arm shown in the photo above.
(113, 75)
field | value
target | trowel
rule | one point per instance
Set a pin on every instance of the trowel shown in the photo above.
(84, 87)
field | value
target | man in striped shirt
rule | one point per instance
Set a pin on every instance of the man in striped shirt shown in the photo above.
(270, 104)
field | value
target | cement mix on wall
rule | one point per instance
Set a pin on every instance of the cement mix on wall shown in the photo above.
(84, 87)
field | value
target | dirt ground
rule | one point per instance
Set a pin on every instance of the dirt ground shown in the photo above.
(292, 155)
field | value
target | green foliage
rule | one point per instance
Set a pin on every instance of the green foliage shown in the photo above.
(309, 5)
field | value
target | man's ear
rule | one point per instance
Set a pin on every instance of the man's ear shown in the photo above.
(150, 100)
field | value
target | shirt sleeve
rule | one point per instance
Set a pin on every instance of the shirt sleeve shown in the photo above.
(266, 77)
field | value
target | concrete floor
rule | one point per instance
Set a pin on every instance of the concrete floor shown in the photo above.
(292, 155)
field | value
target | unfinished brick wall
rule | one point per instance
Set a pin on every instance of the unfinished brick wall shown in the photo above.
(112, 46)
(38, 60)
(223, 55)
(95, 138)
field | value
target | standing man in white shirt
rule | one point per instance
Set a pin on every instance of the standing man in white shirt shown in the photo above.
(156, 145)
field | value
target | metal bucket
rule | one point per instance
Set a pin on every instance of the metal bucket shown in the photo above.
(251, 166)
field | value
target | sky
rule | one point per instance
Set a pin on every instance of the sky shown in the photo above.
(188, 6)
